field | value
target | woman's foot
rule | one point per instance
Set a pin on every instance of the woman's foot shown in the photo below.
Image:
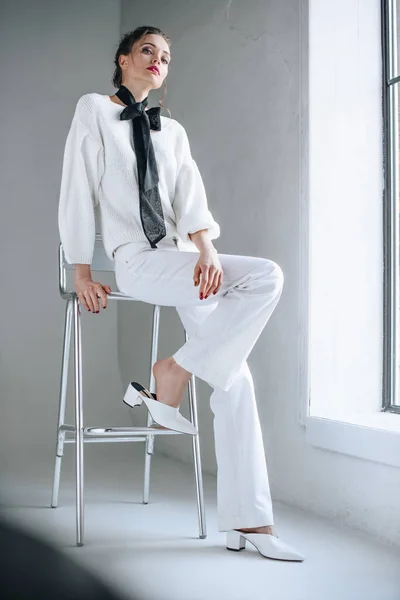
(171, 381)
(269, 546)
(266, 529)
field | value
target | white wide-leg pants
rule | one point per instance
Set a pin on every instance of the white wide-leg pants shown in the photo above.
(222, 331)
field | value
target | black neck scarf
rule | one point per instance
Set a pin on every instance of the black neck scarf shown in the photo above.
(151, 212)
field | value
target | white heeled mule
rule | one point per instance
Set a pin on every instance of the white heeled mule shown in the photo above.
(164, 415)
(268, 545)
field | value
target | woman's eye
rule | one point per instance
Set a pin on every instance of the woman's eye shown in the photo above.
(164, 59)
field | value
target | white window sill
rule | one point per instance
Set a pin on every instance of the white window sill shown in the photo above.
(374, 437)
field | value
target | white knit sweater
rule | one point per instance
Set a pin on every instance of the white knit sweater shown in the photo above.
(99, 175)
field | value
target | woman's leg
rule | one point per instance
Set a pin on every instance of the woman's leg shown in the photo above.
(249, 293)
(243, 493)
(244, 499)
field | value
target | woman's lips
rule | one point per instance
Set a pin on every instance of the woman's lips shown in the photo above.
(153, 70)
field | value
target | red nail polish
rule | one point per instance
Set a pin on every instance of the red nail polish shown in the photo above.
(201, 296)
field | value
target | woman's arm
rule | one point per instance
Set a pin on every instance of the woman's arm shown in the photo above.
(208, 270)
(190, 201)
(82, 169)
(194, 220)
(82, 271)
(83, 166)
(202, 240)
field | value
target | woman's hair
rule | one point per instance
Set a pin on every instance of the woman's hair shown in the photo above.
(125, 47)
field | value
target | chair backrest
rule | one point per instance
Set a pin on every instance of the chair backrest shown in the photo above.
(100, 262)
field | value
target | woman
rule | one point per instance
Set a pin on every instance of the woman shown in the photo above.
(135, 168)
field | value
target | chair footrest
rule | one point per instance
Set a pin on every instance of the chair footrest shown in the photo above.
(128, 431)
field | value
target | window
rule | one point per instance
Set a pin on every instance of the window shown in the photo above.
(349, 260)
(346, 217)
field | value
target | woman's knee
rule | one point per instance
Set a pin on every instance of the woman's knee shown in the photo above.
(274, 272)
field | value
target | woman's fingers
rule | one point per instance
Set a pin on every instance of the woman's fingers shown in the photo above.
(213, 281)
(98, 296)
(204, 282)
(209, 283)
(220, 277)
(95, 299)
(94, 296)
(216, 283)
(89, 300)
(103, 295)
(82, 300)
(196, 275)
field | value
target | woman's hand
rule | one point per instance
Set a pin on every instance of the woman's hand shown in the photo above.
(208, 272)
(91, 292)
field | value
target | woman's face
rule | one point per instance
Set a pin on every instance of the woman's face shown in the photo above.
(150, 51)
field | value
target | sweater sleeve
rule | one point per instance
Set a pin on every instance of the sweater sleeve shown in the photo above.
(190, 201)
(81, 173)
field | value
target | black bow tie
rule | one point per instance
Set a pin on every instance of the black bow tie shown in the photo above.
(151, 211)
(137, 109)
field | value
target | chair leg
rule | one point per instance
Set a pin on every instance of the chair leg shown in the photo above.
(149, 446)
(78, 423)
(62, 402)
(197, 458)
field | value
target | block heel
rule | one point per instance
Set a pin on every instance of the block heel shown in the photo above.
(235, 541)
(133, 395)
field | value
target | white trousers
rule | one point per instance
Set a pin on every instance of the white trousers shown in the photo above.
(222, 331)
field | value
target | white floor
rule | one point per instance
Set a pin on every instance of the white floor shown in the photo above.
(153, 551)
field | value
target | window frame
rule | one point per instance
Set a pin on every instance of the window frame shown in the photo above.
(391, 176)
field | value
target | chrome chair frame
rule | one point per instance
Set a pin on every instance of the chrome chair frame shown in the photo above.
(78, 433)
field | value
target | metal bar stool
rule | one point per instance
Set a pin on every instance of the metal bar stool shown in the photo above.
(78, 433)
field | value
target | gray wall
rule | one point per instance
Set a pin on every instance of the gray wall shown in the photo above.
(51, 53)
(235, 84)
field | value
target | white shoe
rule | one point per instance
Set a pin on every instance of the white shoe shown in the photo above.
(268, 545)
(164, 415)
